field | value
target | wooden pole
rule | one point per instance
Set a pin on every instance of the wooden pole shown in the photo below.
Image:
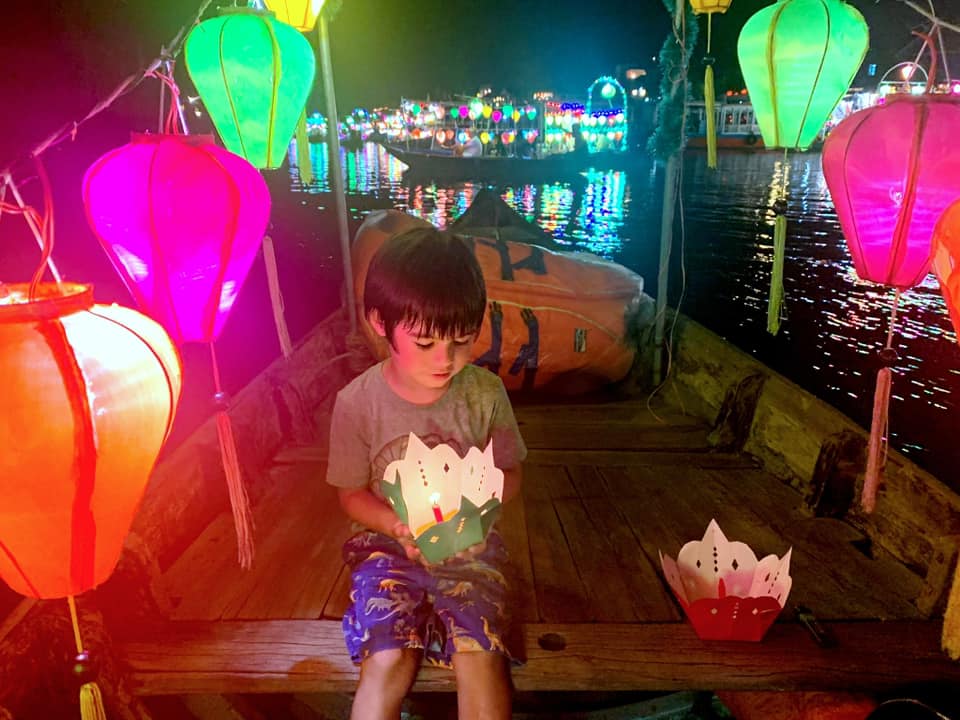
(670, 189)
(334, 172)
(671, 171)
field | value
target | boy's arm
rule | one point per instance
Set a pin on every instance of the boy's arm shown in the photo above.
(512, 478)
(370, 511)
(367, 509)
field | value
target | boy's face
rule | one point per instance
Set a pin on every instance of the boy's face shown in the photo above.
(423, 363)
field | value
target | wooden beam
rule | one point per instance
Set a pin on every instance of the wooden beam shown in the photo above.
(302, 656)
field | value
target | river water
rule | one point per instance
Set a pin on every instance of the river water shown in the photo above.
(720, 273)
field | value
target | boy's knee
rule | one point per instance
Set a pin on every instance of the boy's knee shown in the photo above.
(393, 663)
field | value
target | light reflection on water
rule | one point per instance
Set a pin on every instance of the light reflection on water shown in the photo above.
(835, 323)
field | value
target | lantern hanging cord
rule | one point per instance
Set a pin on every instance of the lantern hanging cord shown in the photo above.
(46, 226)
(216, 369)
(931, 16)
(34, 219)
(69, 130)
(76, 623)
(929, 44)
(170, 125)
(893, 318)
(40, 223)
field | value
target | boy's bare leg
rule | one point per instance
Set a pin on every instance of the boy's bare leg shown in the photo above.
(483, 686)
(385, 680)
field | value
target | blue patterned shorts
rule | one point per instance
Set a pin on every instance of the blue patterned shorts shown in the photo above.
(459, 606)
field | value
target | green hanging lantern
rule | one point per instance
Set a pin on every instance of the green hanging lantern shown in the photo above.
(798, 58)
(253, 74)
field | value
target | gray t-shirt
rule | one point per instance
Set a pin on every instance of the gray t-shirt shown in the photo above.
(371, 423)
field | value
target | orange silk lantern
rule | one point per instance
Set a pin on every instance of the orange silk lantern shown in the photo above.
(946, 264)
(89, 396)
(709, 7)
(946, 261)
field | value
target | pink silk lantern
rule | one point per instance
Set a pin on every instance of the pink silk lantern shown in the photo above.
(892, 170)
(182, 220)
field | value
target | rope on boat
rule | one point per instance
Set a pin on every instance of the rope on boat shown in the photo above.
(276, 296)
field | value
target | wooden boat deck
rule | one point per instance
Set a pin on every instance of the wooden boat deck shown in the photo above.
(608, 484)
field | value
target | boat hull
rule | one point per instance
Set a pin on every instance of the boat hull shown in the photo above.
(516, 170)
(554, 321)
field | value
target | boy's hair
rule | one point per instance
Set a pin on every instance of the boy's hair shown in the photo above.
(426, 279)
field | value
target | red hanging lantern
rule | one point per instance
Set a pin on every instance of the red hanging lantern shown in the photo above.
(182, 220)
(89, 396)
(892, 169)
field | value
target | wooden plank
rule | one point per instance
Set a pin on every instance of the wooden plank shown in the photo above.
(648, 593)
(339, 598)
(654, 458)
(615, 437)
(649, 506)
(300, 656)
(297, 561)
(623, 412)
(513, 528)
(609, 597)
(831, 576)
(561, 596)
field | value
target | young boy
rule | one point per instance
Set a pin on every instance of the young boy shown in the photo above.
(425, 294)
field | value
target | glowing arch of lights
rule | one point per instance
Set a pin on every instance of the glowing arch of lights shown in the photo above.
(606, 127)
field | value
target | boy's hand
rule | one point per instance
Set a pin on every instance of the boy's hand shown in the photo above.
(401, 533)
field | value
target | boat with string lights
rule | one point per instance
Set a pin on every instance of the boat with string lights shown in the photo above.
(494, 138)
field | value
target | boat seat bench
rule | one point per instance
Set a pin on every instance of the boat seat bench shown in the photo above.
(290, 656)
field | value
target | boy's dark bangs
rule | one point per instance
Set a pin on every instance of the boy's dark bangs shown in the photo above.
(428, 281)
(443, 307)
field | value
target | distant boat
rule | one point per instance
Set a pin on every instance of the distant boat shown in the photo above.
(737, 127)
(444, 165)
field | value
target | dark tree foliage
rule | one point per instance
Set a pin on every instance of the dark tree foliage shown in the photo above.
(669, 135)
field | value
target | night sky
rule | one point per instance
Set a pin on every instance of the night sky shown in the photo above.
(60, 57)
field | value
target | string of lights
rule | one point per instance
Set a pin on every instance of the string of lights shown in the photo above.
(68, 131)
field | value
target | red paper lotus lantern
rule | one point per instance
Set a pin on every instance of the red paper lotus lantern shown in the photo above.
(892, 170)
(89, 395)
(182, 220)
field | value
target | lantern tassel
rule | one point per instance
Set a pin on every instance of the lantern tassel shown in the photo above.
(880, 422)
(877, 447)
(304, 166)
(239, 500)
(91, 702)
(950, 638)
(276, 297)
(775, 301)
(709, 97)
(91, 699)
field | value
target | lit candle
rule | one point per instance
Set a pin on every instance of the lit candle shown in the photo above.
(435, 499)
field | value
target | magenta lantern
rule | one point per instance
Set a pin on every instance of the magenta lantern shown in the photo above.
(892, 170)
(182, 220)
